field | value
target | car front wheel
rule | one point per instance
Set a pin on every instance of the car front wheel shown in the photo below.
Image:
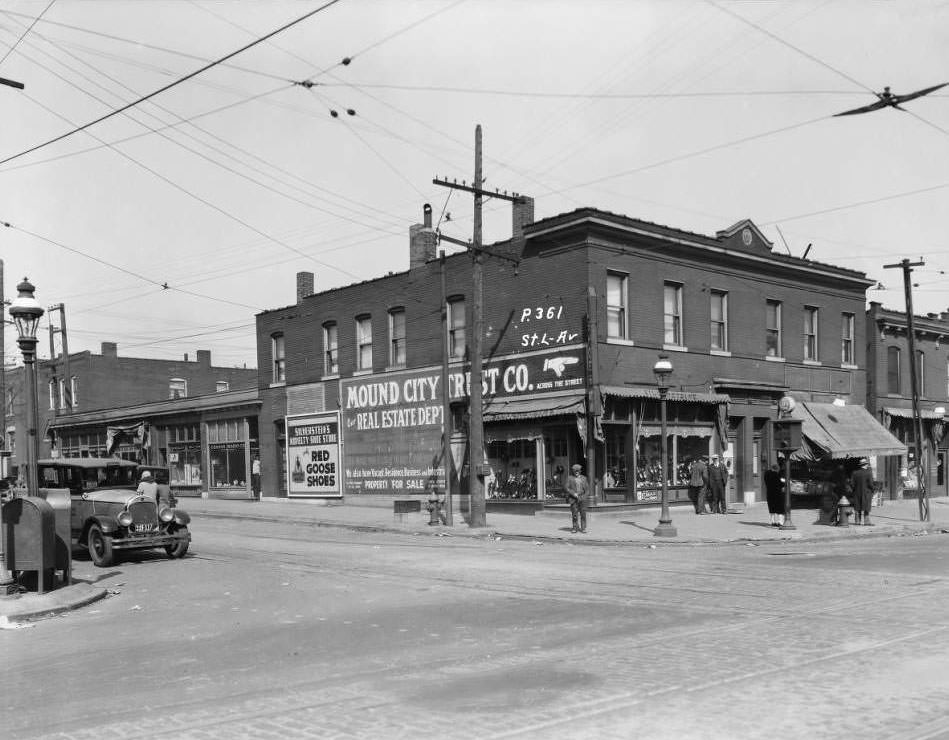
(178, 549)
(100, 546)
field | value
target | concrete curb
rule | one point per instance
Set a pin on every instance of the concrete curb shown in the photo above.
(29, 607)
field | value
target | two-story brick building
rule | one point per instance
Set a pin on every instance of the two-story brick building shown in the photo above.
(158, 411)
(571, 334)
(889, 392)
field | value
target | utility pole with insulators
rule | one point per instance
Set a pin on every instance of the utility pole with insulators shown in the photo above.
(476, 465)
(65, 397)
(923, 494)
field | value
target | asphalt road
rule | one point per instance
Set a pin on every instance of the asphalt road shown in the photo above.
(269, 630)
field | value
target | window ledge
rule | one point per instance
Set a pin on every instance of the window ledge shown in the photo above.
(390, 368)
(774, 358)
(720, 352)
(332, 376)
(621, 341)
(847, 366)
(278, 384)
(675, 348)
(815, 363)
(368, 371)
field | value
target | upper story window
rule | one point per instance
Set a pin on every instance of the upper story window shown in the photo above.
(397, 337)
(810, 333)
(719, 320)
(920, 372)
(364, 343)
(616, 327)
(672, 310)
(846, 339)
(773, 322)
(330, 348)
(74, 391)
(52, 395)
(893, 371)
(278, 351)
(62, 393)
(177, 388)
(221, 386)
(456, 328)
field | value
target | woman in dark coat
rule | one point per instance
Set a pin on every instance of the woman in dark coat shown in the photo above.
(774, 489)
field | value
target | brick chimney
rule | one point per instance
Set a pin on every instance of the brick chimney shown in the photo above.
(304, 285)
(522, 214)
(110, 349)
(422, 241)
(204, 358)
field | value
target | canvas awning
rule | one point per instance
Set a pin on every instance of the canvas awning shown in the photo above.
(623, 391)
(901, 413)
(839, 432)
(520, 409)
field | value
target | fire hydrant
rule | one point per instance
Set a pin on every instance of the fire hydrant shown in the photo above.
(844, 512)
(436, 509)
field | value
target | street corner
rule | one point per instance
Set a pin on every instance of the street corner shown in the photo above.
(22, 608)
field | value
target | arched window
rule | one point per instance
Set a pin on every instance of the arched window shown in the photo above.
(893, 370)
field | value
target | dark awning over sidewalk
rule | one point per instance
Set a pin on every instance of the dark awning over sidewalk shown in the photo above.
(520, 409)
(842, 431)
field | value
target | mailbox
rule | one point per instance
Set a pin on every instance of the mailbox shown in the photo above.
(786, 434)
(29, 538)
(59, 499)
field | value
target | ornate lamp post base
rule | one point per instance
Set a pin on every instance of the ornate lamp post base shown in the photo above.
(665, 529)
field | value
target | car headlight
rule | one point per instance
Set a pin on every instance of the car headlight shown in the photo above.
(167, 515)
(124, 518)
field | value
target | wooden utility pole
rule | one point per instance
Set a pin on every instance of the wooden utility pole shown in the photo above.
(923, 495)
(476, 471)
(65, 399)
(446, 401)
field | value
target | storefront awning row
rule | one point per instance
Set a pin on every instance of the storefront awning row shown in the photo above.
(647, 393)
(840, 432)
(518, 409)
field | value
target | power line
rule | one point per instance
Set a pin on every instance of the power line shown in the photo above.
(857, 204)
(28, 29)
(170, 85)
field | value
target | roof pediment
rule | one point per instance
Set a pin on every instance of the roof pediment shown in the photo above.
(744, 236)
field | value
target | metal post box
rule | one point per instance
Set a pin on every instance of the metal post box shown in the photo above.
(29, 538)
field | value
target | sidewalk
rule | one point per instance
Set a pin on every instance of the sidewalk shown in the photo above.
(605, 527)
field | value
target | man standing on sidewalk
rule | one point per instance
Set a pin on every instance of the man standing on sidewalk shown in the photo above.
(698, 484)
(717, 478)
(578, 490)
(255, 477)
(861, 486)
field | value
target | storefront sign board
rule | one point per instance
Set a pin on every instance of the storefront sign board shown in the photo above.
(313, 455)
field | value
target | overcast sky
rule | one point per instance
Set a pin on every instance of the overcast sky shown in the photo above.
(682, 112)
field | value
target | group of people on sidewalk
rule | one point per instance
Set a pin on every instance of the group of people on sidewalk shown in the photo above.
(707, 481)
(857, 488)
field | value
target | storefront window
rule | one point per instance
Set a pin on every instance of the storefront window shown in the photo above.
(184, 460)
(513, 470)
(682, 447)
(227, 464)
(615, 457)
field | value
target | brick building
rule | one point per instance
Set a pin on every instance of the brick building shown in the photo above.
(889, 393)
(94, 404)
(571, 334)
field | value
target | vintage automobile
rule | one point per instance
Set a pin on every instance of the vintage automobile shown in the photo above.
(107, 516)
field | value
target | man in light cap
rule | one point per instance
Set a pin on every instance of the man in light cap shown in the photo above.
(861, 487)
(578, 490)
(148, 487)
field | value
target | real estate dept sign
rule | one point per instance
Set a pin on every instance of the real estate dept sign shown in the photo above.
(313, 455)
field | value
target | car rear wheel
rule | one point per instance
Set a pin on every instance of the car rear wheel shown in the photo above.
(178, 549)
(100, 547)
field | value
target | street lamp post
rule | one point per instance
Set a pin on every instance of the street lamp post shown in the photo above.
(662, 370)
(26, 311)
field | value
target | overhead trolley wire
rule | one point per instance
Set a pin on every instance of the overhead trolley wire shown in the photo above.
(28, 29)
(170, 85)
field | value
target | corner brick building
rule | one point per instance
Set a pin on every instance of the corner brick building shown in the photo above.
(577, 309)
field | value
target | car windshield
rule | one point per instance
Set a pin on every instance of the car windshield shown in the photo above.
(108, 477)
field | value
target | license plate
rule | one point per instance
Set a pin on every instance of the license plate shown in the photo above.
(143, 527)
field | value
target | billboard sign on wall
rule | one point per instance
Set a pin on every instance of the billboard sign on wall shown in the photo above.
(313, 455)
(392, 422)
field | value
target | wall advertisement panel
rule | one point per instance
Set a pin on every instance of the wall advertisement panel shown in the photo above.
(313, 455)
(392, 422)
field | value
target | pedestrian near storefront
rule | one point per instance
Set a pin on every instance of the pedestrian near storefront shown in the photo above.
(255, 476)
(578, 491)
(698, 484)
(861, 486)
(774, 491)
(717, 479)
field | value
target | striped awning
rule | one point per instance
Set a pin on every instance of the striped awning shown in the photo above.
(647, 392)
(519, 409)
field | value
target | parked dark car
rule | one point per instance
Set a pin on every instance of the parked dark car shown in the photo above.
(106, 513)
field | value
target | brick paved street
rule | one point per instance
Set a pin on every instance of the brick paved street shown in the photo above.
(316, 633)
